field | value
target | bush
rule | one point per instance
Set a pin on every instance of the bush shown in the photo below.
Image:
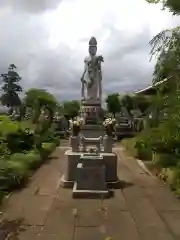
(15, 135)
(12, 174)
(31, 159)
(129, 144)
(17, 153)
(165, 160)
(47, 149)
(138, 148)
(20, 141)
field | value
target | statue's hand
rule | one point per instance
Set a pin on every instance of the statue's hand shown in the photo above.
(100, 58)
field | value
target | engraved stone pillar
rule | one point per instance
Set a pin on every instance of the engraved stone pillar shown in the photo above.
(108, 143)
(75, 142)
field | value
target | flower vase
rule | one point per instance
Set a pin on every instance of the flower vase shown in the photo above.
(75, 143)
(108, 143)
(75, 131)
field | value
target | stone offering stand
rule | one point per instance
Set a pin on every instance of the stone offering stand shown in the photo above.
(89, 169)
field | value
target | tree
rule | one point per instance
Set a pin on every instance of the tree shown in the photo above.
(71, 108)
(11, 87)
(39, 99)
(172, 5)
(127, 101)
(113, 103)
(141, 102)
(166, 47)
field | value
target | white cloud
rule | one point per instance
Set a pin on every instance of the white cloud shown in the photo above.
(49, 47)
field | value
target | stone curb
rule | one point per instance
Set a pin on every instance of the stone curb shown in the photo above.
(143, 167)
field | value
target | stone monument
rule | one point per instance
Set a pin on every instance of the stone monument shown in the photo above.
(91, 166)
(91, 89)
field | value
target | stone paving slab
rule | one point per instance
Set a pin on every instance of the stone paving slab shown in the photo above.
(90, 233)
(143, 209)
(118, 201)
(172, 219)
(33, 209)
(163, 199)
(60, 222)
(148, 221)
(119, 225)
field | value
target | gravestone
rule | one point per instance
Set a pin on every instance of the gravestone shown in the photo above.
(90, 176)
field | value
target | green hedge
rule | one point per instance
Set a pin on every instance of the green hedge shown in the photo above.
(16, 170)
(136, 149)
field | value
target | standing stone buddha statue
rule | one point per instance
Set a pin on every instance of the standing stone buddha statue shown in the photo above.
(92, 75)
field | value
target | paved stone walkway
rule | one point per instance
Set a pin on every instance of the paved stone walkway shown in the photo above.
(144, 209)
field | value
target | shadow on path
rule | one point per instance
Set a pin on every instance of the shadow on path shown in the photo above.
(11, 229)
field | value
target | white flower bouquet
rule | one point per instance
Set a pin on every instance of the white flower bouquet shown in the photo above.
(76, 125)
(109, 125)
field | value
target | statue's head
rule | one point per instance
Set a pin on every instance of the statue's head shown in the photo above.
(92, 46)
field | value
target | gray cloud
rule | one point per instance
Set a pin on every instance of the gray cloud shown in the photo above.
(24, 42)
(30, 5)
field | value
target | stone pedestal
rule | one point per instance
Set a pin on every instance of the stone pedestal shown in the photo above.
(90, 110)
(108, 143)
(90, 177)
(75, 142)
(92, 131)
(91, 141)
(109, 160)
(69, 176)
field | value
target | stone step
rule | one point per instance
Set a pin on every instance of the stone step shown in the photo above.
(76, 193)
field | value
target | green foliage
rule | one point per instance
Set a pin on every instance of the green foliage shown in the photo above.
(71, 108)
(166, 47)
(31, 159)
(141, 102)
(40, 96)
(12, 174)
(47, 148)
(127, 101)
(165, 160)
(172, 5)
(38, 99)
(113, 103)
(14, 137)
(11, 87)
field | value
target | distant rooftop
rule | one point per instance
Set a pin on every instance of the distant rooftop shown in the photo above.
(152, 87)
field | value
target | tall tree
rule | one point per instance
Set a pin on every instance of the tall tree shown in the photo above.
(11, 88)
(127, 101)
(39, 99)
(113, 103)
(166, 47)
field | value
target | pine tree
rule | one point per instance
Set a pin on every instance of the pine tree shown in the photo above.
(11, 88)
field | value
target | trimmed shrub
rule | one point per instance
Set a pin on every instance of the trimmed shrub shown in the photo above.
(31, 159)
(47, 149)
(164, 160)
(12, 174)
(20, 140)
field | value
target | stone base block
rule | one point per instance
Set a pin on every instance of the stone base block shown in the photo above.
(92, 131)
(89, 193)
(72, 159)
(65, 183)
(110, 162)
(91, 177)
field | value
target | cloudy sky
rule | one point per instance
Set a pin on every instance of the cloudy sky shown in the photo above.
(48, 39)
